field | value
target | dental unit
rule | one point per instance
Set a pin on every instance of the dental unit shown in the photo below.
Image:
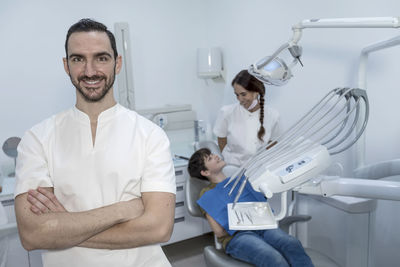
(296, 159)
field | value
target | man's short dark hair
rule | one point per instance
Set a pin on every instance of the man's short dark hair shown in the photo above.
(89, 25)
(197, 163)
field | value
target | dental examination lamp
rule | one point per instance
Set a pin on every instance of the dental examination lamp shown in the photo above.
(273, 70)
(295, 159)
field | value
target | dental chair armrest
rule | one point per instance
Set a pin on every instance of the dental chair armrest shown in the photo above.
(285, 223)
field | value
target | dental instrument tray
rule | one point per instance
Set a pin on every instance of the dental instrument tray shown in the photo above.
(251, 216)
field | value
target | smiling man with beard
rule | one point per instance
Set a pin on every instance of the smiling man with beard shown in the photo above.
(95, 183)
(89, 78)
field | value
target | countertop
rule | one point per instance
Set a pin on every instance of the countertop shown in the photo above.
(179, 162)
(9, 182)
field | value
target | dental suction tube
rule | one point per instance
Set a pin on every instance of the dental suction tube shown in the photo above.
(298, 155)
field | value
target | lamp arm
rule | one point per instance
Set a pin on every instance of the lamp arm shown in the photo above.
(371, 22)
(297, 33)
(364, 188)
(368, 22)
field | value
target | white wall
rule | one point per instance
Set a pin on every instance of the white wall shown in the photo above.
(250, 30)
(33, 84)
(165, 36)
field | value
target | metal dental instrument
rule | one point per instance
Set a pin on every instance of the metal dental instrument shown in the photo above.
(239, 192)
(181, 157)
(240, 174)
(248, 217)
(237, 216)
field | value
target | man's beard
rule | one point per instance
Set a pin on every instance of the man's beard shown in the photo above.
(107, 86)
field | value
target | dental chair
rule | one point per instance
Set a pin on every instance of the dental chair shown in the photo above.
(214, 255)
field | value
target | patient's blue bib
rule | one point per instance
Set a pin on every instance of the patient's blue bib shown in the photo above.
(215, 201)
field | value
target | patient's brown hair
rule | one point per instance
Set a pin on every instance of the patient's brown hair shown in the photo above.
(197, 163)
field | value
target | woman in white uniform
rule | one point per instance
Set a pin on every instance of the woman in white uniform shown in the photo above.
(244, 126)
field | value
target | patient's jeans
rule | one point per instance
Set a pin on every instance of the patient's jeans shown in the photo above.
(264, 248)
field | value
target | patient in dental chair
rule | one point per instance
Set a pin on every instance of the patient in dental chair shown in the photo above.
(261, 248)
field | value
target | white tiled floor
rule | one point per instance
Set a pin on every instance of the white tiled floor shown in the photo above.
(188, 252)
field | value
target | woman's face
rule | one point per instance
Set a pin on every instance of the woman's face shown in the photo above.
(244, 96)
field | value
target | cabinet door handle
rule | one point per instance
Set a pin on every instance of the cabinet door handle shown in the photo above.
(180, 219)
(8, 202)
(180, 172)
(179, 204)
(179, 188)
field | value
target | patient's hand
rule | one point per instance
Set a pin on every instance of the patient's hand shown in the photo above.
(44, 201)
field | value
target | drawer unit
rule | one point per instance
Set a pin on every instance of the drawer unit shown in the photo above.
(186, 226)
(180, 205)
(181, 174)
(17, 255)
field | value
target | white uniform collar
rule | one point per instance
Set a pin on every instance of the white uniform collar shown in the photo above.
(103, 116)
(255, 113)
